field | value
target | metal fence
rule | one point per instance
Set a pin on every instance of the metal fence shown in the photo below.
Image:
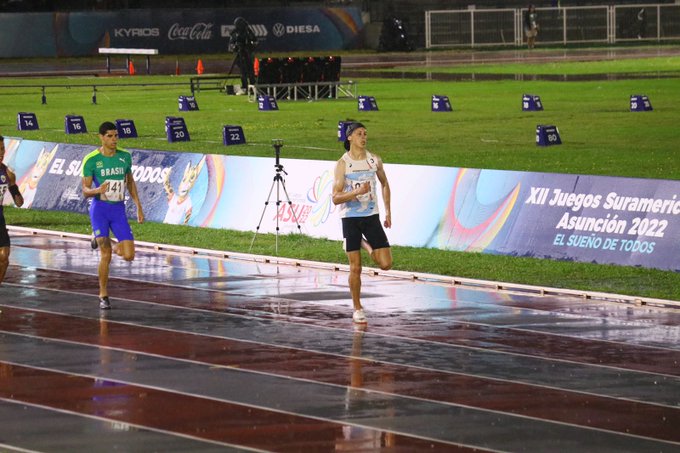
(567, 25)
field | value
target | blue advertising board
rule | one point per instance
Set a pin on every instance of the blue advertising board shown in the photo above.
(178, 31)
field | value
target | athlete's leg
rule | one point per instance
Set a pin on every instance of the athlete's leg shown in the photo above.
(376, 244)
(366, 246)
(104, 263)
(4, 248)
(355, 278)
(4, 262)
(383, 258)
(125, 249)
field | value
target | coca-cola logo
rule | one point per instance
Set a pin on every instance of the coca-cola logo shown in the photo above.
(200, 31)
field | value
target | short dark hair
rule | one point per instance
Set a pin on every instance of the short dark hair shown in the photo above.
(350, 130)
(107, 126)
(1, 138)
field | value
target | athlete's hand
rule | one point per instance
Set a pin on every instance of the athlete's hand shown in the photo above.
(140, 215)
(104, 187)
(388, 221)
(363, 188)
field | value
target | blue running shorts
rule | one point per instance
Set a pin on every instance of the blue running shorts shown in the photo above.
(110, 216)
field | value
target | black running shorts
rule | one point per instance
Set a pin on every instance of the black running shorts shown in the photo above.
(4, 235)
(353, 228)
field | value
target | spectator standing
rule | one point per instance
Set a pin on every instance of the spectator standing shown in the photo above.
(531, 26)
(242, 43)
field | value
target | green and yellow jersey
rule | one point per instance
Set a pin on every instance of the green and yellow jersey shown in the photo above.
(111, 169)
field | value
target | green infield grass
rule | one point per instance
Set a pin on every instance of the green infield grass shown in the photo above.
(487, 129)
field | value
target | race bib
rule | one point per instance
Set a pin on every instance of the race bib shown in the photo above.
(115, 192)
(365, 197)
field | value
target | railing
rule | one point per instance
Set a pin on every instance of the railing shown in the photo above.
(304, 91)
(567, 25)
(71, 88)
(217, 82)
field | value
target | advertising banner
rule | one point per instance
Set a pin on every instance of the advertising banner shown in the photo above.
(596, 219)
(178, 31)
(200, 190)
(572, 217)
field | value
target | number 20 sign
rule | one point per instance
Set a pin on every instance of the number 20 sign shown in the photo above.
(176, 129)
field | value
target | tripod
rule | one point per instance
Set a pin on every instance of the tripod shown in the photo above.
(277, 143)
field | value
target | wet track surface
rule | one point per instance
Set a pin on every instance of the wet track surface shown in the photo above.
(207, 354)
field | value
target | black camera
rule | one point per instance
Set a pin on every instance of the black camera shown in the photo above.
(242, 37)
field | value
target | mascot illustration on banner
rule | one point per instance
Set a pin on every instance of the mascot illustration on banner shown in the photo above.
(28, 185)
(180, 206)
(476, 212)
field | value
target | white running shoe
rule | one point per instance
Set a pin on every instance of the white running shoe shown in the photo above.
(359, 316)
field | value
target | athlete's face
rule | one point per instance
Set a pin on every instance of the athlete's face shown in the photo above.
(359, 137)
(110, 139)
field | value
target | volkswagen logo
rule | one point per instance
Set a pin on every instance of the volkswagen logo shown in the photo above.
(279, 29)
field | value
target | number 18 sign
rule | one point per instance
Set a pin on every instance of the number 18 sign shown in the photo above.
(126, 129)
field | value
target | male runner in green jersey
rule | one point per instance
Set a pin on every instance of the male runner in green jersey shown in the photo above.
(107, 172)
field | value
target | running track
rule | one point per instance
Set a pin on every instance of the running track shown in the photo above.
(205, 354)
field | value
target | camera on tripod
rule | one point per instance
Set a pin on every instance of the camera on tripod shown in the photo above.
(278, 181)
(242, 37)
(277, 143)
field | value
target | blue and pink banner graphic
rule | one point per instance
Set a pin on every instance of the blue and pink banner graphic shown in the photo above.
(626, 221)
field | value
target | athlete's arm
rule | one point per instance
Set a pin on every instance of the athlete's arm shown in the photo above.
(132, 188)
(89, 191)
(339, 195)
(14, 190)
(386, 193)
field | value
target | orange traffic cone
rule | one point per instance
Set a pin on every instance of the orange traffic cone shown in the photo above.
(199, 67)
(177, 71)
(131, 68)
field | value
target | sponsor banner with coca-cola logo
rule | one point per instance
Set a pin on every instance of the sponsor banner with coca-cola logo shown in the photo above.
(179, 31)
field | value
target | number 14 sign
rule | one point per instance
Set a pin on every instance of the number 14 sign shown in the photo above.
(27, 121)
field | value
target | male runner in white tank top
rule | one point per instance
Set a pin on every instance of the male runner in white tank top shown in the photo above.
(355, 190)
